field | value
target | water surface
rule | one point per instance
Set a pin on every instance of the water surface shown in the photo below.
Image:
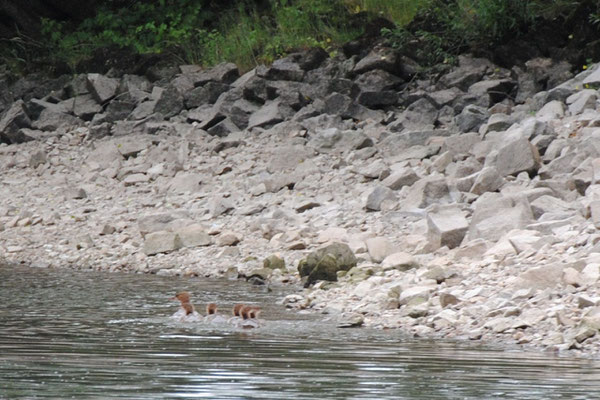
(90, 335)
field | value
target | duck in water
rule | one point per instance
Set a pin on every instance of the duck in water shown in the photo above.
(187, 312)
(249, 314)
(212, 316)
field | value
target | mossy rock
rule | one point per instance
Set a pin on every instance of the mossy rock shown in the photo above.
(274, 262)
(324, 263)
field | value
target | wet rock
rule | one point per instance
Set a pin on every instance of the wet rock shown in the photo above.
(352, 320)
(161, 242)
(324, 263)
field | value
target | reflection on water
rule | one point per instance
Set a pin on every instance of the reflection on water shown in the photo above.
(68, 334)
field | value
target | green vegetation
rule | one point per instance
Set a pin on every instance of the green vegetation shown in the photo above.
(248, 33)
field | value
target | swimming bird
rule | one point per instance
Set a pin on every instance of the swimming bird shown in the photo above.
(212, 316)
(186, 312)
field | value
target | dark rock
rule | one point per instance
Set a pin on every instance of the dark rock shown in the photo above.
(169, 102)
(120, 109)
(324, 263)
(293, 94)
(345, 107)
(207, 117)
(469, 71)
(492, 91)
(36, 106)
(240, 112)
(284, 69)
(14, 119)
(223, 73)
(270, 114)
(85, 107)
(376, 88)
(419, 115)
(52, 120)
(309, 59)
(223, 128)
(207, 94)
(137, 87)
(255, 89)
(383, 58)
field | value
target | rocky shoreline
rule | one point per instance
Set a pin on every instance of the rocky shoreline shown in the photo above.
(468, 205)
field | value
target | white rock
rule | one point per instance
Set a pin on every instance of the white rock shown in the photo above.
(379, 248)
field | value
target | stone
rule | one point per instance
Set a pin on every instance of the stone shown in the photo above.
(194, 235)
(270, 114)
(224, 73)
(228, 238)
(134, 179)
(550, 204)
(582, 100)
(550, 111)
(400, 261)
(427, 191)
(447, 299)
(11, 123)
(382, 58)
(169, 102)
(415, 295)
(207, 94)
(51, 121)
(546, 276)
(185, 182)
(379, 248)
(283, 69)
(85, 107)
(163, 222)
(487, 180)
(274, 262)
(399, 178)
(161, 242)
(220, 205)
(105, 154)
(494, 216)
(446, 227)
(378, 196)
(75, 193)
(38, 158)
(324, 263)
(516, 157)
(495, 90)
(471, 118)
(376, 88)
(102, 87)
(572, 277)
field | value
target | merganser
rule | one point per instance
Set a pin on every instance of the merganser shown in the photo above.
(247, 322)
(212, 316)
(186, 312)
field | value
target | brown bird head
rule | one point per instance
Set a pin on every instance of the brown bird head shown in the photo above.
(236, 309)
(211, 309)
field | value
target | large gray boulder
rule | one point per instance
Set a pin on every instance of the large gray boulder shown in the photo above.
(517, 156)
(447, 227)
(13, 120)
(324, 263)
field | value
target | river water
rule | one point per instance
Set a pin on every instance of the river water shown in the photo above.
(90, 335)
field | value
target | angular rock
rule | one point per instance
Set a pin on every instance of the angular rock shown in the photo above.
(427, 191)
(185, 182)
(400, 178)
(270, 114)
(517, 156)
(161, 242)
(224, 73)
(163, 222)
(487, 180)
(495, 215)
(12, 121)
(471, 118)
(380, 58)
(101, 87)
(194, 235)
(447, 227)
(400, 261)
(169, 102)
(274, 262)
(379, 248)
(378, 196)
